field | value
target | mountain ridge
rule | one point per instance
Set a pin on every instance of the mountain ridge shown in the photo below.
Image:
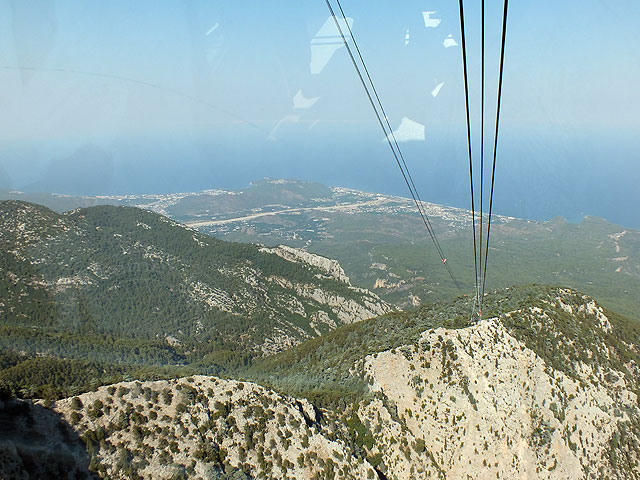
(124, 285)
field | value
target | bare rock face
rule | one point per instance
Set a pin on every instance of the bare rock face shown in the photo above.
(479, 403)
(325, 308)
(297, 255)
(205, 427)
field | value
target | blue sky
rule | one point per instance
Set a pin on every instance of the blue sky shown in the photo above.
(175, 85)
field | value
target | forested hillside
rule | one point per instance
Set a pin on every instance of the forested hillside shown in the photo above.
(124, 286)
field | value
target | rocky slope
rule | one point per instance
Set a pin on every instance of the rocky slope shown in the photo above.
(331, 267)
(205, 427)
(521, 419)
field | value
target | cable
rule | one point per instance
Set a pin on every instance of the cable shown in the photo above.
(386, 118)
(481, 143)
(130, 80)
(399, 152)
(466, 95)
(410, 184)
(420, 203)
(427, 224)
(495, 141)
(389, 136)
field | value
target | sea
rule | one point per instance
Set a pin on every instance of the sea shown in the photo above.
(535, 178)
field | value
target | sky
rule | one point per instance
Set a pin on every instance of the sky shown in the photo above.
(139, 97)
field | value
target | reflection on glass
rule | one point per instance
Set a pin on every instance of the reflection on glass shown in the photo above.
(430, 22)
(300, 102)
(449, 42)
(327, 42)
(409, 130)
(436, 90)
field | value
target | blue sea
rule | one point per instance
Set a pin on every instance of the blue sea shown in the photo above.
(536, 177)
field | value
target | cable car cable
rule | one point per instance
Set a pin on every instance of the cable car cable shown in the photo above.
(386, 118)
(388, 137)
(481, 141)
(466, 94)
(378, 116)
(135, 81)
(495, 140)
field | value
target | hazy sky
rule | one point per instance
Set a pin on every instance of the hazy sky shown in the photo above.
(175, 84)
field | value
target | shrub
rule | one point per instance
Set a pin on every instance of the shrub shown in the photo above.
(75, 417)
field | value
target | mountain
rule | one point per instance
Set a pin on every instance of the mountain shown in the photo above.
(135, 319)
(90, 166)
(119, 284)
(382, 245)
(544, 386)
(206, 427)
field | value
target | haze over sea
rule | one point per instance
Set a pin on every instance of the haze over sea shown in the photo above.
(539, 182)
(122, 98)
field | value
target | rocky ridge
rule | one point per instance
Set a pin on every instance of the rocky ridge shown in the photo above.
(331, 267)
(480, 400)
(545, 387)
